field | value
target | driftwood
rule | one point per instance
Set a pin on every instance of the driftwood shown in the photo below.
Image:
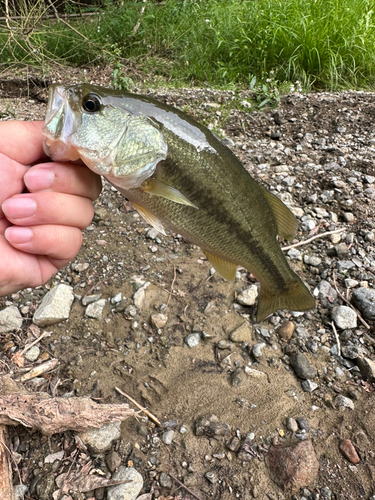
(52, 415)
(6, 486)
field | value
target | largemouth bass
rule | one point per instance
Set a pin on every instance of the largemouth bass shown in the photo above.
(179, 176)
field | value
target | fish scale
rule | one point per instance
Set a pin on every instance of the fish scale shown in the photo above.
(192, 184)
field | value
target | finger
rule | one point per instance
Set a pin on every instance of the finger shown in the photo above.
(22, 141)
(32, 209)
(64, 178)
(59, 243)
(11, 177)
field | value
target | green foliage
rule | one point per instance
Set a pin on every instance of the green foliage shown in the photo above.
(320, 43)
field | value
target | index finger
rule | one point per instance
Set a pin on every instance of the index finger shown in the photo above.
(22, 141)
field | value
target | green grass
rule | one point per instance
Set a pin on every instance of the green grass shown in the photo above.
(320, 43)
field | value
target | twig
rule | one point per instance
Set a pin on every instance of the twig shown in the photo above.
(150, 415)
(183, 486)
(50, 16)
(349, 304)
(170, 293)
(323, 235)
(40, 369)
(29, 346)
(136, 27)
(66, 23)
(337, 338)
(6, 485)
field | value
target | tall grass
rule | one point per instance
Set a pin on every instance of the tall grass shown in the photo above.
(321, 43)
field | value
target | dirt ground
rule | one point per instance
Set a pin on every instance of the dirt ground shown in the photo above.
(178, 383)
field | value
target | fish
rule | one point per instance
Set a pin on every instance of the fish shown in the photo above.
(181, 177)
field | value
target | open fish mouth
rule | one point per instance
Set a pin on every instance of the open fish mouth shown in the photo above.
(60, 123)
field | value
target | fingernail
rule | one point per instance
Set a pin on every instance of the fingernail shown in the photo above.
(39, 179)
(16, 234)
(19, 208)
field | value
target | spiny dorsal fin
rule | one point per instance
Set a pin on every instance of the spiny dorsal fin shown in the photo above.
(226, 269)
(160, 188)
(149, 217)
(286, 222)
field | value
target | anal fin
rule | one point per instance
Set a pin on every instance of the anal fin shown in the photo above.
(226, 269)
(286, 222)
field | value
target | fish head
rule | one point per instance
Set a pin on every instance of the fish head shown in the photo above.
(87, 122)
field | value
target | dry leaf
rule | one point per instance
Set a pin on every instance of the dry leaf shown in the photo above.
(18, 359)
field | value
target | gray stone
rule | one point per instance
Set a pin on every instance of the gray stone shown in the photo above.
(10, 319)
(309, 386)
(152, 233)
(19, 491)
(342, 402)
(291, 424)
(128, 491)
(367, 368)
(55, 306)
(165, 480)
(345, 265)
(100, 440)
(302, 367)
(353, 351)
(295, 254)
(344, 317)
(364, 299)
(192, 340)
(342, 251)
(350, 283)
(95, 309)
(140, 296)
(88, 299)
(326, 293)
(326, 493)
(113, 461)
(32, 354)
(312, 260)
(257, 349)
(249, 296)
(167, 437)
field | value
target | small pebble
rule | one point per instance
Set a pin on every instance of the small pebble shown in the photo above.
(349, 452)
(192, 340)
(167, 437)
(32, 354)
(285, 331)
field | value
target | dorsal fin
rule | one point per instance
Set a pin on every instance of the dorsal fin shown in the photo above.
(286, 222)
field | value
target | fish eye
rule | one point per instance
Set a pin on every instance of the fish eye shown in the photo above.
(91, 103)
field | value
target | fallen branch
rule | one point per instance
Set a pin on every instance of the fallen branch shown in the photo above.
(322, 235)
(150, 415)
(53, 415)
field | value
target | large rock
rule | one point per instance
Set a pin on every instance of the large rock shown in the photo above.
(302, 367)
(344, 317)
(293, 467)
(100, 440)
(127, 491)
(364, 299)
(55, 306)
(10, 319)
(367, 368)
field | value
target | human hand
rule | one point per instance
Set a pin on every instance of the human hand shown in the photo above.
(40, 230)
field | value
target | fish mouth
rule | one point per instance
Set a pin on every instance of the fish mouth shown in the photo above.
(59, 124)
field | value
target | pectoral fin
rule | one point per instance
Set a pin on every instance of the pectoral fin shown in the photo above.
(286, 222)
(160, 188)
(226, 269)
(149, 217)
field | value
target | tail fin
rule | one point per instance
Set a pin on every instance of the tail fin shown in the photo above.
(297, 298)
